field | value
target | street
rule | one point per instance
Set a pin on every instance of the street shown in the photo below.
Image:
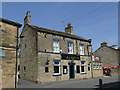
(108, 82)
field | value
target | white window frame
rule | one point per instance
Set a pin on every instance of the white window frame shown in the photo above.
(70, 48)
(56, 47)
(59, 65)
(84, 67)
(82, 51)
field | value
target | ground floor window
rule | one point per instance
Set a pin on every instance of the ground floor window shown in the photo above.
(46, 69)
(77, 69)
(56, 67)
(83, 67)
(88, 67)
(64, 69)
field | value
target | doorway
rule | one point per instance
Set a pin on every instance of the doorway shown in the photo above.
(71, 71)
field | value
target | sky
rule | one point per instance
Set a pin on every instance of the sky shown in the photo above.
(92, 20)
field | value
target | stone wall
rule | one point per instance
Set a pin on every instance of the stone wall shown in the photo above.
(9, 42)
(109, 56)
(97, 71)
(115, 72)
(28, 54)
(45, 43)
(44, 77)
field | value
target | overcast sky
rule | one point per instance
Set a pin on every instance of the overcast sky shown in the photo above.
(92, 20)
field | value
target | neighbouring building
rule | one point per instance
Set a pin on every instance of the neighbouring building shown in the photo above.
(97, 67)
(47, 55)
(109, 57)
(9, 38)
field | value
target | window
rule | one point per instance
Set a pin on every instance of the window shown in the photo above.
(83, 67)
(89, 47)
(97, 66)
(2, 52)
(77, 69)
(70, 47)
(56, 45)
(81, 49)
(56, 67)
(64, 69)
(88, 67)
(46, 69)
(100, 66)
(94, 66)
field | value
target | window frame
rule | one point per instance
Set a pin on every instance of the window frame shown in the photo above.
(84, 66)
(70, 47)
(64, 69)
(56, 46)
(59, 65)
(82, 49)
(77, 68)
(3, 51)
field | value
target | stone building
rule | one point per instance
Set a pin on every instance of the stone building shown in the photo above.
(97, 67)
(9, 37)
(48, 55)
(109, 57)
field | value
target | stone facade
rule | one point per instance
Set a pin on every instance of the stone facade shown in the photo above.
(9, 55)
(38, 59)
(108, 55)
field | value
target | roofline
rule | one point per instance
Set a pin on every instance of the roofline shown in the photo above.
(46, 30)
(10, 22)
(105, 46)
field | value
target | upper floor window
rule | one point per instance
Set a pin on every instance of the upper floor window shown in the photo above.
(56, 45)
(70, 47)
(81, 49)
(89, 47)
(2, 52)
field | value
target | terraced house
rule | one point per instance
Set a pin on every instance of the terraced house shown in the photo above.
(49, 55)
(9, 44)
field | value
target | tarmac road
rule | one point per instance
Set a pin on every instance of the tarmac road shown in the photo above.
(108, 82)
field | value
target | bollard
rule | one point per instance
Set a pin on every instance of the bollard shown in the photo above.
(100, 84)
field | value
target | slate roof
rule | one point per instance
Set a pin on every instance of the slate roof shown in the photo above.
(10, 22)
(73, 36)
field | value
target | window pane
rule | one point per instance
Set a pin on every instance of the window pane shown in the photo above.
(78, 69)
(2, 52)
(81, 49)
(82, 69)
(56, 69)
(56, 45)
(70, 48)
(88, 68)
(46, 69)
(56, 62)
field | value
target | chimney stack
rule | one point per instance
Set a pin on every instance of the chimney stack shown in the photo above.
(69, 28)
(103, 44)
(27, 19)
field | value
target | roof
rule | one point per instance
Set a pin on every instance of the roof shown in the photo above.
(10, 22)
(105, 46)
(41, 29)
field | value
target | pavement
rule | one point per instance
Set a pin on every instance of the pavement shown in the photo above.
(108, 82)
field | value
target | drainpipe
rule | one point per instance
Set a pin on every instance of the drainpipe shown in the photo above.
(16, 60)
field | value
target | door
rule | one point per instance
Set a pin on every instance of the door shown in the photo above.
(71, 71)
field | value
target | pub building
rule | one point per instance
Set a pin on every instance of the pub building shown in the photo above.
(49, 55)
